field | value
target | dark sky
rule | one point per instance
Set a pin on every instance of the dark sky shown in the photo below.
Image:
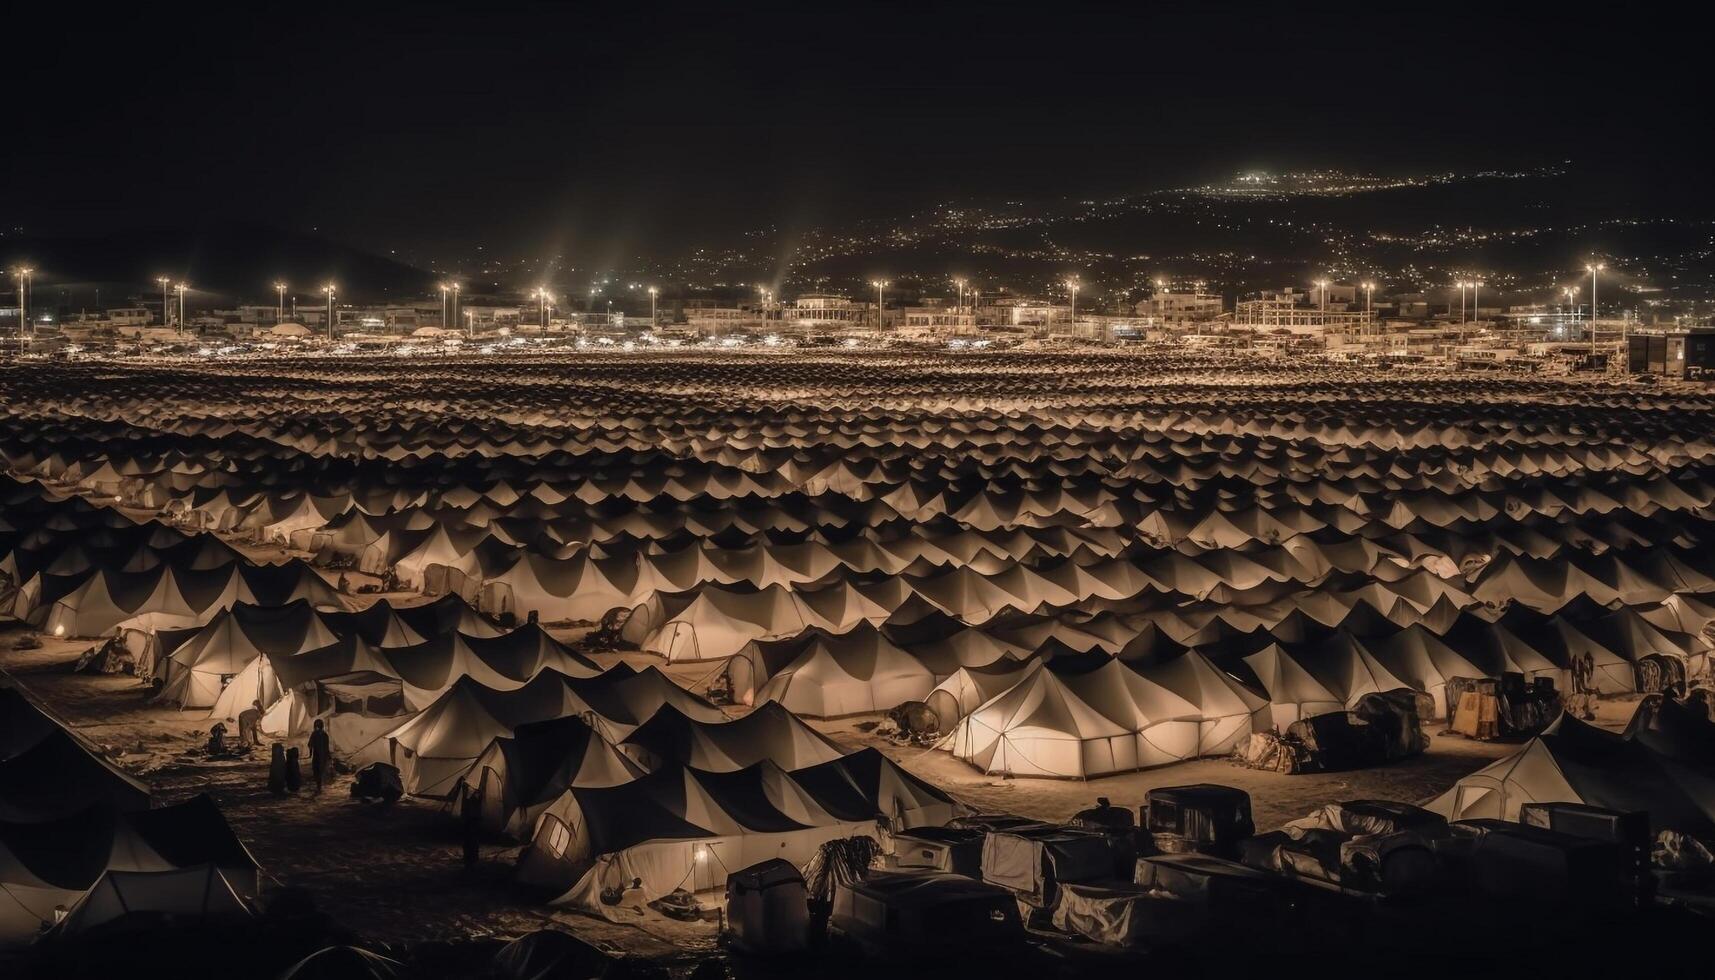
(430, 127)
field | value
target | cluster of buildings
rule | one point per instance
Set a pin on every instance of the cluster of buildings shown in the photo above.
(968, 316)
(808, 314)
(247, 321)
(1326, 317)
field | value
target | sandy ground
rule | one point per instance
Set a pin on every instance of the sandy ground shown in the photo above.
(397, 875)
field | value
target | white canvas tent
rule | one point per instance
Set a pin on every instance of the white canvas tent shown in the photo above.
(1574, 762)
(1077, 726)
(859, 673)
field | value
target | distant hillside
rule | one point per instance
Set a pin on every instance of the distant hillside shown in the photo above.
(239, 260)
(1523, 231)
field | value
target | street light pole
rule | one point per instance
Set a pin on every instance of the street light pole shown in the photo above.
(1594, 268)
(166, 311)
(879, 285)
(329, 290)
(653, 293)
(280, 308)
(1369, 295)
(23, 301)
(181, 288)
(1072, 290)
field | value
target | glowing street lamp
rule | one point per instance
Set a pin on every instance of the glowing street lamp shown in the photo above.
(280, 311)
(1476, 311)
(1369, 295)
(1463, 285)
(542, 298)
(455, 304)
(166, 311)
(961, 284)
(181, 287)
(329, 291)
(653, 293)
(879, 285)
(1593, 268)
(23, 273)
(1072, 291)
(446, 317)
(1322, 293)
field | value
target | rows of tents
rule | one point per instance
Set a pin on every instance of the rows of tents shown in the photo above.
(529, 406)
(858, 638)
(529, 730)
(452, 701)
(1079, 565)
(804, 542)
(622, 779)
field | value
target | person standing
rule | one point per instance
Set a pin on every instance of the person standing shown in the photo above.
(1590, 685)
(320, 755)
(250, 725)
(277, 770)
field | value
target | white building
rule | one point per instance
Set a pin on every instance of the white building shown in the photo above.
(130, 316)
(940, 320)
(105, 319)
(1117, 329)
(826, 311)
(1298, 313)
(709, 316)
(1189, 307)
(1016, 314)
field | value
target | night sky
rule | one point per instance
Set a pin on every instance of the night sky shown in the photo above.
(428, 128)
